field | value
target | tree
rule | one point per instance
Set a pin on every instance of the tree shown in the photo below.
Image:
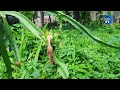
(93, 15)
(115, 16)
(76, 15)
(38, 18)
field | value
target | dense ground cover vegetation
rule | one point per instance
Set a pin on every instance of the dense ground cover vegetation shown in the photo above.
(84, 58)
(81, 57)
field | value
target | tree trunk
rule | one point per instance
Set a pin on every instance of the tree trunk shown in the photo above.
(42, 18)
(115, 16)
(76, 15)
(93, 15)
(39, 18)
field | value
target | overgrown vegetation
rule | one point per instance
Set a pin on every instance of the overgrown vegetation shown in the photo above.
(79, 56)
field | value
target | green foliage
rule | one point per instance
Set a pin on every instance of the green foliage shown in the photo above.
(80, 27)
(85, 17)
(93, 25)
(5, 27)
(32, 27)
(84, 58)
(75, 55)
(11, 39)
(109, 13)
(28, 14)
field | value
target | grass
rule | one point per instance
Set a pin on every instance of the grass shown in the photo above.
(85, 59)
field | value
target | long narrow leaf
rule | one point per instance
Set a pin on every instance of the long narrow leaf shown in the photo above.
(81, 27)
(37, 54)
(3, 51)
(22, 45)
(62, 68)
(32, 27)
(11, 39)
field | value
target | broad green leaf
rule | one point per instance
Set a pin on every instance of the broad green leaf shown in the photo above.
(3, 51)
(32, 27)
(11, 39)
(79, 26)
(62, 68)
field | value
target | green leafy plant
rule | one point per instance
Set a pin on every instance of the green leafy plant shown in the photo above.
(34, 29)
(71, 53)
(81, 27)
